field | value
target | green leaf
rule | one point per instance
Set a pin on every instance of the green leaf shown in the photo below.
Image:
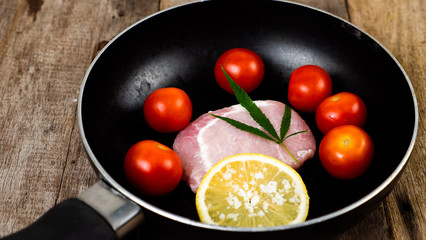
(245, 127)
(251, 107)
(295, 134)
(260, 118)
(285, 122)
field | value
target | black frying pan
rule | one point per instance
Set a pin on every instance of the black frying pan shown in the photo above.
(179, 48)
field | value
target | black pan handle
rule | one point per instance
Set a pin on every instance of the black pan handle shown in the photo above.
(98, 213)
(71, 219)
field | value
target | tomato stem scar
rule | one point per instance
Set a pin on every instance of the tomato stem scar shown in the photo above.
(346, 142)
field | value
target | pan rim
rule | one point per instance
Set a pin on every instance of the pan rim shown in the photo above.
(104, 176)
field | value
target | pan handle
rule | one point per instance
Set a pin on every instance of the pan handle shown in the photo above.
(98, 213)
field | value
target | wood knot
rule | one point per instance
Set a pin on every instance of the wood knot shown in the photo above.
(98, 48)
(34, 6)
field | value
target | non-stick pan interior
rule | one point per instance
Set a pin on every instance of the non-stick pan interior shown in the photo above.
(179, 48)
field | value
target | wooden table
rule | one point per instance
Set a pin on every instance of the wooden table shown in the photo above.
(46, 47)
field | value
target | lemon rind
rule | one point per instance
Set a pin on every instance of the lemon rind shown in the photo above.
(203, 210)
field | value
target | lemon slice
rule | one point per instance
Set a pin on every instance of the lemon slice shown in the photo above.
(252, 190)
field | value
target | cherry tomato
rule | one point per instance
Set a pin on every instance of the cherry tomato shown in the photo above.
(152, 168)
(340, 109)
(346, 151)
(308, 86)
(167, 110)
(244, 66)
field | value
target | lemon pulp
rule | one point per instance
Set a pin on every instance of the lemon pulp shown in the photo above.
(252, 190)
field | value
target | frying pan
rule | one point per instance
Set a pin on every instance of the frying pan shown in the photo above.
(178, 47)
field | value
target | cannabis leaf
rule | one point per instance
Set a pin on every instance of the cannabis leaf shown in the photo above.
(258, 116)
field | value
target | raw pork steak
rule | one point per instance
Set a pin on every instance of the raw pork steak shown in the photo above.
(207, 140)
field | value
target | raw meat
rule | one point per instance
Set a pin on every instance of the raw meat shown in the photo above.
(208, 139)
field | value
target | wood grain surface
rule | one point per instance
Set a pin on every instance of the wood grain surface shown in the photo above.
(46, 47)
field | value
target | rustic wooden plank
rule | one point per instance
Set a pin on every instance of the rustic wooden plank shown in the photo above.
(335, 7)
(9, 12)
(164, 4)
(400, 26)
(46, 48)
(36, 113)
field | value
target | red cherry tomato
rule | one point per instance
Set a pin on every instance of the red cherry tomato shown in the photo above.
(346, 151)
(308, 86)
(167, 110)
(340, 109)
(244, 66)
(152, 168)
